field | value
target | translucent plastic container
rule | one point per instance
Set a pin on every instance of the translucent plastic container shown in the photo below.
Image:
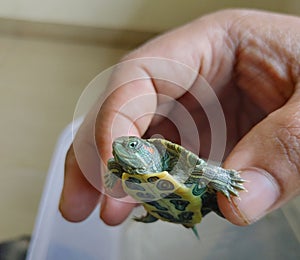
(274, 237)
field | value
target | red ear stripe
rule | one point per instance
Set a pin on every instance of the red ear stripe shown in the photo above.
(149, 149)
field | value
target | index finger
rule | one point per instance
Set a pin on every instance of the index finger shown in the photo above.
(83, 180)
(124, 109)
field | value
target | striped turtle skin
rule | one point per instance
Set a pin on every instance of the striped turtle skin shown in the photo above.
(172, 183)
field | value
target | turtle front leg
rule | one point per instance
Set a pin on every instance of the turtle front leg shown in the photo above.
(114, 173)
(222, 180)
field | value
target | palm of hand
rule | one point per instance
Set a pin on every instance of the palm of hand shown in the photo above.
(241, 114)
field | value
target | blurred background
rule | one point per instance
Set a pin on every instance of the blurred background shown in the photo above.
(49, 52)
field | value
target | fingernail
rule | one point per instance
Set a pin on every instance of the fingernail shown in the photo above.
(262, 193)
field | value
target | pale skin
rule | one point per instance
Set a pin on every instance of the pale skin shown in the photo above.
(252, 60)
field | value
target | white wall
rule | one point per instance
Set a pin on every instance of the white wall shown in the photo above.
(145, 15)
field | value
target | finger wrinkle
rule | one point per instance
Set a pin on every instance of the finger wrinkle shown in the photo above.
(153, 84)
(289, 141)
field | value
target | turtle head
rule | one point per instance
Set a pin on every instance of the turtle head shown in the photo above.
(136, 155)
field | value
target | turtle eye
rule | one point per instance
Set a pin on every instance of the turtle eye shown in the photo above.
(132, 144)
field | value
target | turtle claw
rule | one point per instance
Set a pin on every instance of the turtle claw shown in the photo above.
(238, 186)
(145, 219)
(237, 178)
(233, 191)
(235, 175)
(228, 182)
(226, 194)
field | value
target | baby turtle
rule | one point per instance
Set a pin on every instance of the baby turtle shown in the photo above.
(172, 183)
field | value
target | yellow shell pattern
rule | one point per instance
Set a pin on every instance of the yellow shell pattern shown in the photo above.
(164, 197)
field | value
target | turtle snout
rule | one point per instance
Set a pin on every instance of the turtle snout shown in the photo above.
(118, 141)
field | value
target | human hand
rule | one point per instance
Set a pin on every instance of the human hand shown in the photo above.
(251, 61)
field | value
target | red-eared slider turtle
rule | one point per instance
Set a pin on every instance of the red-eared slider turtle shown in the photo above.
(172, 183)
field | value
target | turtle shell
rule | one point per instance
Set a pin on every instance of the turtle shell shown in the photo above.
(172, 183)
(165, 198)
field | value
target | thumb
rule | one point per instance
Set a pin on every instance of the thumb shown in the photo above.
(269, 159)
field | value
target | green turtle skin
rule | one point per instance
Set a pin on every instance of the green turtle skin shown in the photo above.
(172, 183)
